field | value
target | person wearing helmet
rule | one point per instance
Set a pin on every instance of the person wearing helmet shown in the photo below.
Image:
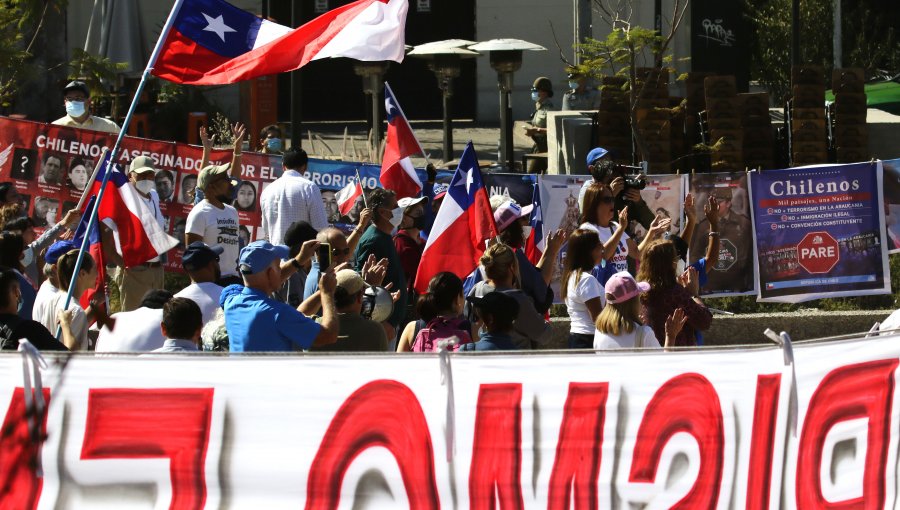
(581, 95)
(541, 92)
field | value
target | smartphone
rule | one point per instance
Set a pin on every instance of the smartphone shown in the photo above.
(323, 256)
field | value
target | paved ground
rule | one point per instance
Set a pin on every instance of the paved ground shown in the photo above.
(328, 140)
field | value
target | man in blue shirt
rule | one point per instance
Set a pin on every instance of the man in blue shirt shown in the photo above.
(497, 310)
(256, 322)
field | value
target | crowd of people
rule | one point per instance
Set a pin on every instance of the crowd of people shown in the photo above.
(307, 285)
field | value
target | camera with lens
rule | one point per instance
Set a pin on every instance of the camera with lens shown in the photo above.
(635, 183)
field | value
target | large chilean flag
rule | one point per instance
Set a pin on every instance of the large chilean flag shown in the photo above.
(462, 226)
(212, 42)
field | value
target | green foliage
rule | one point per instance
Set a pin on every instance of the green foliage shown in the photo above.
(12, 55)
(94, 70)
(624, 48)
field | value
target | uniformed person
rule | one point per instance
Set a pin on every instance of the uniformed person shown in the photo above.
(580, 96)
(541, 92)
(734, 270)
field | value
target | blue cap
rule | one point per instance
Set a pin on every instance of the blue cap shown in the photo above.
(259, 255)
(198, 254)
(595, 154)
(57, 250)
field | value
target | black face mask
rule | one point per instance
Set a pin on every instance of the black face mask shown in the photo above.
(418, 222)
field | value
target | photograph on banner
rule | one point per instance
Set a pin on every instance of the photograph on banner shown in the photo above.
(664, 195)
(820, 232)
(519, 187)
(892, 203)
(559, 204)
(733, 273)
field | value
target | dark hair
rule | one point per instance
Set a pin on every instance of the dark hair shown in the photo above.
(658, 265)
(182, 318)
(20, 224)
(378, 197)
(443, 291)
(579, 255)
(512, 236)
(4, 189)
(294, 159)
(592, 197)
(65, 267)
(271, 127)
(156, 298)
(681, 246)
(7, 278)
(164, 173)
(602, 170)
(298, 233)
(77, 160)
(342, 298)
(47, 155)
(11, 247)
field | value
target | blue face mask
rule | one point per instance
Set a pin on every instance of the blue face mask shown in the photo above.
(75, 108)
(535, 96)
(273, 144)
(573, 85)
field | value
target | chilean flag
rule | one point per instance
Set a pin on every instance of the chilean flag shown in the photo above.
(535, 244)
(95, 248)
(462, 226)
(139, 237)
(397, 171)
(347, 196)
(212, 42)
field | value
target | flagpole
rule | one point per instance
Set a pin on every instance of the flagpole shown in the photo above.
(416, 138)
(87, 189)
(361, 187)
(113, 154)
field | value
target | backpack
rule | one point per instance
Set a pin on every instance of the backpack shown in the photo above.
(441, 328)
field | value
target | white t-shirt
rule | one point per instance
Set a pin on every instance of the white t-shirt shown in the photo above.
(620, 258)
(79, 318)
(586, 288)
(135, 331)
(641, 336)
(206, 295)
(44, 296)
(217, 227)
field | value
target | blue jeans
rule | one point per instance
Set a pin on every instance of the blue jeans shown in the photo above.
(581, 341)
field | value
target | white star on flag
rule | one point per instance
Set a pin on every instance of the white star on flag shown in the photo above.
(470, 180)
(217, 25)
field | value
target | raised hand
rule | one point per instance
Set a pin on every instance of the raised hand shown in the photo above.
(238, 131)
(205, 139)
(623, 217)
(711, 210)
(689, 210)
(659, 226)
(674, 324)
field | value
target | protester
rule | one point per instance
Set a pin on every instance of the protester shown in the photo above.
(238, 131)
(79, 171)
(619, 324)
(541, 92)
(291, 198)
(502, 271)
(136, 330)
(270, 140)
(512, 224)
(256, 322)
(50, 286)
(342, 248)
(597, 215)
(604, 171)
(292, 290)
(666, 294)
(377, 241)
(214, 222)
(407, 240)
(355, 332)
(496, 311)
(181, 324)
(583, 294)
(87, 276)
(13, 327)
(134, 282)
(12, 211)
(12, 248)
(440, 316)
(51, 169)
(78, 110)
(24, 226)
(201, 263)
(9, 195)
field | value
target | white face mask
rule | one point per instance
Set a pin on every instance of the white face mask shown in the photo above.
(144, 186)
(680, 267)
(27, 257)
(396, 216)
(535, 96)
(526, 232)
(75, 108)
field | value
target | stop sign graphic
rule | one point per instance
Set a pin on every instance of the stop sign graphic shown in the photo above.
(818, 252)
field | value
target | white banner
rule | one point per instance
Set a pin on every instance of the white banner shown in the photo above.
(709, 429)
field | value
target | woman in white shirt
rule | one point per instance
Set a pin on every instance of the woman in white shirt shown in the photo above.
(598, 215)
(583, 293)
(78, 321)
(619, 325)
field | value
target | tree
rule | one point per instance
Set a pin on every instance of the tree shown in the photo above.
(627, 48)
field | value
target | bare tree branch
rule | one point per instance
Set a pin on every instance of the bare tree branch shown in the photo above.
(562, 55)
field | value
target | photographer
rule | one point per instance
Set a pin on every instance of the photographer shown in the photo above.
(625, 188)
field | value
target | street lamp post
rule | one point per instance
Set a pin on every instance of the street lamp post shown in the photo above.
(444, 58)
(506, 59)
(372, 74)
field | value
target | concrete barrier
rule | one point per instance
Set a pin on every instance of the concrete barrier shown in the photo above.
(748, 328)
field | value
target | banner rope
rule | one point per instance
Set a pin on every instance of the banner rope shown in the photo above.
(444, 347)
(34, 403)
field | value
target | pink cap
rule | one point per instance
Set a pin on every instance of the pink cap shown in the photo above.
(509, 212)
(621, 287)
